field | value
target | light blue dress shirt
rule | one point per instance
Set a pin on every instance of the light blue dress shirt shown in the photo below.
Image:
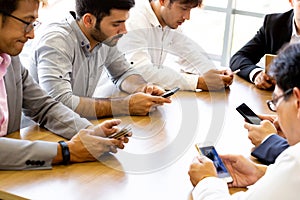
(63, 65)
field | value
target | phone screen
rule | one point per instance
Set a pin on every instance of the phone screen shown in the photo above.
(248, 114)
(211, 153)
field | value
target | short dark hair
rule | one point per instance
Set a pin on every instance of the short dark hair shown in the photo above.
(285, 68)
(9, 6)
(101, 8)
(194, 3)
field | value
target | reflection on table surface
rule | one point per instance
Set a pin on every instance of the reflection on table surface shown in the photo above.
(155, 163)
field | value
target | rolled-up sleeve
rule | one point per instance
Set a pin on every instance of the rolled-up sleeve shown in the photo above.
(53, 58)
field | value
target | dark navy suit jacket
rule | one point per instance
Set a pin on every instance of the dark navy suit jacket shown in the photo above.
(274, 34)
(270, 149)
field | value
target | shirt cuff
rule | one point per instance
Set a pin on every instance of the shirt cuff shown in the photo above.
(74, 102)
(267, 138)
(191, 80)
(211, 186)
(253, 72)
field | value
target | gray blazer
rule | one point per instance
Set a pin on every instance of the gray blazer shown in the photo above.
(24, 93)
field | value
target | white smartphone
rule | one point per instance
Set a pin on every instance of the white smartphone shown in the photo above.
(211, 153)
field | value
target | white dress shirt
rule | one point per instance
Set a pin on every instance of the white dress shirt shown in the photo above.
(295, 36)
(281, 181)
(151, 49)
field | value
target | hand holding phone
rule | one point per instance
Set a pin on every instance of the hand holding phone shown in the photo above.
(123, 132)
(170, 92)
(211, 153)
(248, 114)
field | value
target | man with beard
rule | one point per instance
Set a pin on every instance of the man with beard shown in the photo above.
(69, 57)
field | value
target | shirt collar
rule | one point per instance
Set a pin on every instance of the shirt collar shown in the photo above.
(151, 15)
(4, 63)
(294, 33)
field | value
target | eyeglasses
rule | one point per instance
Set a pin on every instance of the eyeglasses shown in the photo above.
(272, 103)
(29, 26)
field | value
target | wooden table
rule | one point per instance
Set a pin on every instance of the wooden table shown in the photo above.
(155, 163)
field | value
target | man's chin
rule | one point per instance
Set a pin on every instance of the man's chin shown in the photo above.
(111, 43)
(14, 53)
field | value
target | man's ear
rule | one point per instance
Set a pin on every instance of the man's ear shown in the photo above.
(162, 2)
(1, 19)
(296, 92)
(89, 20)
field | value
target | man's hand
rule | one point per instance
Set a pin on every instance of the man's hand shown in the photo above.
(201, 168)
(243, 171)
(215, 79)
(274, 120)
(106, 128)
(257, 133)
(90, 144)
(153, 90)
(143, 103)
(263, 81)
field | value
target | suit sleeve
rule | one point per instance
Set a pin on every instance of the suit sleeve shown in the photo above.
(22, 154)
(249, 55)
(275, 32)
(49, 113)
(270, 149)
(23, 92)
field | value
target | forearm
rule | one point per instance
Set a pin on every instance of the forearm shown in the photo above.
(134, 83)
(159, 75)
(51, 114)
(201, 83)
(58, 158)
(261, 170)
(102, 107)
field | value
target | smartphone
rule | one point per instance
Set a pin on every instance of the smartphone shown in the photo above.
(211, 153)
(268, 61)
(123, 132)
(248, 114)
(170, 92)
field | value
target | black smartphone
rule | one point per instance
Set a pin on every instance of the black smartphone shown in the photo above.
(211, 153)
(123, 132)
(248, 114)
(170, 92)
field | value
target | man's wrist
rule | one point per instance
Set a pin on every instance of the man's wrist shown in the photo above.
(120, 106)
(267, 137)
(65, 152)
(58, 158)
(253, 74)
(201, 83)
